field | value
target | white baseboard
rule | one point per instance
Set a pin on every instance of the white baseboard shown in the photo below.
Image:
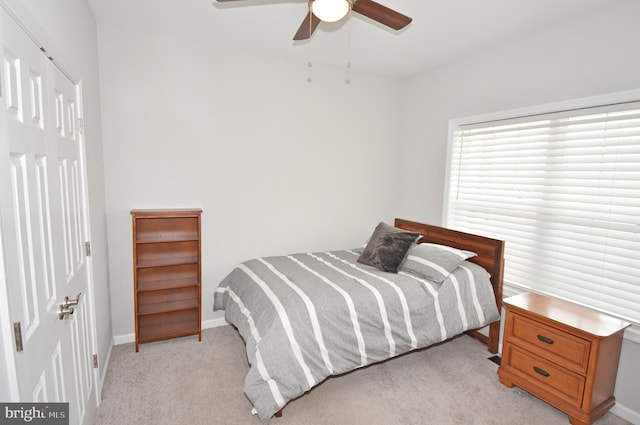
(214, 323)
(626, 413)
(128, 338)
(124, 339)
(103, 369)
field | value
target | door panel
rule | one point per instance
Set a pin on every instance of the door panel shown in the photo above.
(43, 214)
(70, 174)
(23, 235)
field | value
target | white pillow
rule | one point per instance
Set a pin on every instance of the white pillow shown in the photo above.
(432, 261)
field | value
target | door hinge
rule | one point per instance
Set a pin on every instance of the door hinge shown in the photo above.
(17, 334)
(95, 361)
(87, 248)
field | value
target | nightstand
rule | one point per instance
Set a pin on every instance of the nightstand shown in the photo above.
(562, 353)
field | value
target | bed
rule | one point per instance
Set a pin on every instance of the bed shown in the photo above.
(307, 316)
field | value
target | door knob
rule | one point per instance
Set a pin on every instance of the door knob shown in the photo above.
(63, 311)
(66, 308)
(69, 302)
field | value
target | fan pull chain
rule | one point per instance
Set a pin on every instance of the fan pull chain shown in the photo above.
(348, 64)
(309, 62)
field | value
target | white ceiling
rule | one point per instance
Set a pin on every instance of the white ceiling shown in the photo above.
(441, 31)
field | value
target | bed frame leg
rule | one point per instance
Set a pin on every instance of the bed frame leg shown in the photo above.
(278, 414)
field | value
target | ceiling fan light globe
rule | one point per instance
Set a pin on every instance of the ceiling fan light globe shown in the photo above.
(330, 10)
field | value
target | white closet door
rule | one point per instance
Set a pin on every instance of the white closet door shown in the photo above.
(42, 209)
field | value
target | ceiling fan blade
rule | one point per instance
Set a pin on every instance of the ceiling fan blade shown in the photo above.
(307, 27)
(382, 14)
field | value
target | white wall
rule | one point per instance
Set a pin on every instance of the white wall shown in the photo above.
(68, 31)
(278, 165)
(591, 55)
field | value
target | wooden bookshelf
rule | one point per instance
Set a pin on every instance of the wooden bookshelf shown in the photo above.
(167, 274)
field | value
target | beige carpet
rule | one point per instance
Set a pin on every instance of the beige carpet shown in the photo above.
(182, 381)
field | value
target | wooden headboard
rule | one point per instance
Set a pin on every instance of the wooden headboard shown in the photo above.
(490, 256)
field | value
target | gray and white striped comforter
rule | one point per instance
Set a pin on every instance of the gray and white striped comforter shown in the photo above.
(307, 316)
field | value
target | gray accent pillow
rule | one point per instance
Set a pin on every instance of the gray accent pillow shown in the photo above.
(387, 247)
(434, 262)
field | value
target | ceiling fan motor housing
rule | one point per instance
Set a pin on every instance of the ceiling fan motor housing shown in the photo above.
(330, 10)
(369, 8)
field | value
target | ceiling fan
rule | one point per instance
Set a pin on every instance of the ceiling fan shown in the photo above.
(323, 10)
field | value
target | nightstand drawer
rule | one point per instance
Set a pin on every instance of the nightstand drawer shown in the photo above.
(563, 348)
(552, 379)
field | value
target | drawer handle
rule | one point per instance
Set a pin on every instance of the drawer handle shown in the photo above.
(541, 372)
(545, 339)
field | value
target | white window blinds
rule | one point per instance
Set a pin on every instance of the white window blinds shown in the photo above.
(563, 191)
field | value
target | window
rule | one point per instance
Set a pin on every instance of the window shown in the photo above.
(563, 190)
